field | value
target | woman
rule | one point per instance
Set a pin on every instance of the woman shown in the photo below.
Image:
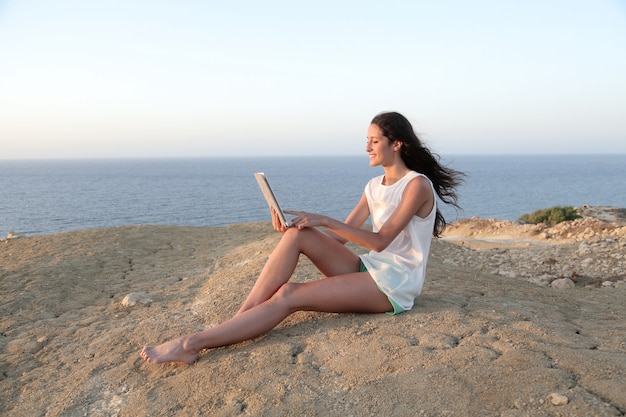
(403, 208)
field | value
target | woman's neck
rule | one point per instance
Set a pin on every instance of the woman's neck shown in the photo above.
(394, 173)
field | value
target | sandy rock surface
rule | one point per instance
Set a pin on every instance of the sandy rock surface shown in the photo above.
(479, 342)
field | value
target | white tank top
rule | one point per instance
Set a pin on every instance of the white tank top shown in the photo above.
(399, 269)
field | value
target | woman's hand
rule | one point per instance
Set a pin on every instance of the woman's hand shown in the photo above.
(304, 219)
(276, 223)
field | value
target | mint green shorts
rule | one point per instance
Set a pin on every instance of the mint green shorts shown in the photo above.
(396, 308)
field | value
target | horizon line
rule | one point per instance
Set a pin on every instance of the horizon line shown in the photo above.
(444, 155)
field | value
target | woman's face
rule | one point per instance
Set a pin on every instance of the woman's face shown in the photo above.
(381, 152)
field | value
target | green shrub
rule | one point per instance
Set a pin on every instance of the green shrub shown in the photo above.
(550, 216)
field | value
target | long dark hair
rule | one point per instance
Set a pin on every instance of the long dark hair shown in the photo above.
(419, 158)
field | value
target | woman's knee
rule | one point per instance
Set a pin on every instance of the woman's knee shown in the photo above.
(285, 295)
(286, 290)
(295, 233)
(295, 236)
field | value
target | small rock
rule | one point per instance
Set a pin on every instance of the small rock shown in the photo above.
(584, 249)
(607, 284)
(562, 284)
(543, 280)
(510, 274)
(136, 297)
(558, 399)
(587, 262)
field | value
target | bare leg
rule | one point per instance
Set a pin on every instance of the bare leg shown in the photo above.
(330, 257)
(356, 292)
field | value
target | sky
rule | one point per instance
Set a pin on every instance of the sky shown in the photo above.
(145, 79)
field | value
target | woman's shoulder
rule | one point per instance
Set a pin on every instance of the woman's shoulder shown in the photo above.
(421, 177)
(419, 184)
(414, 177)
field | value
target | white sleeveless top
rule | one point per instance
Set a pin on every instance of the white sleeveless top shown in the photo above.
(399, 270)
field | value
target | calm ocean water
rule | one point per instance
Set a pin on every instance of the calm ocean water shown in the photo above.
(42, 197)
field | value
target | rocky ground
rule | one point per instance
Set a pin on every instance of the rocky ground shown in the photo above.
(76, 308)
(590, 251)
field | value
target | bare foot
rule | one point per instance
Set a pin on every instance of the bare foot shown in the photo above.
(172, 351)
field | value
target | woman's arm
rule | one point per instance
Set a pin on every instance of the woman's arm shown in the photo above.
(356, 218)
(417, 197)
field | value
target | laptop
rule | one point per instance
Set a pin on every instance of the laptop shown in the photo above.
(270, 197)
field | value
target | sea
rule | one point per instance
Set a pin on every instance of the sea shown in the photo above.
(54, 196)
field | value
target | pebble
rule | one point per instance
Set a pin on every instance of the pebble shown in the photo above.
(543, 279)
(133, 298)
(562, 284)
(587, 262)
(558, 399)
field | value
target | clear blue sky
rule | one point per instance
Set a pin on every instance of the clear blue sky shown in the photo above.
(206, 78)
